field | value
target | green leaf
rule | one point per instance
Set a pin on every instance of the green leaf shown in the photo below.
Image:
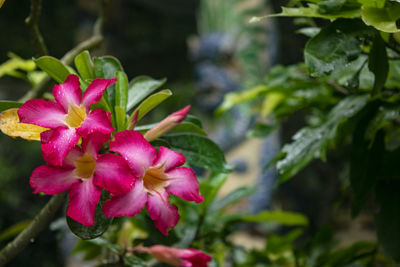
(335, 46)
(209, 188)
(54, 67)
(387, 221)
(330, 6)
(151, 102)
(261, 130)
(183, 127)
(373, 3)
(232, 198)
(101, 242)
(14, 230)
(134, 261)
(140, 88)
(107, 67)
(193, 119)
(278, 216)
(120, 118)
(310, 143)
(365, 168)
(378, 63)
(84, 65)
(121, 90)
(281, 243)
(4, 105)
(198, 150)
(313, 11)
(348, 255)
(383, 19)
(101, 223)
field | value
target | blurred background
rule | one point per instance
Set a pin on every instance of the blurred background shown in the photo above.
(205, 49)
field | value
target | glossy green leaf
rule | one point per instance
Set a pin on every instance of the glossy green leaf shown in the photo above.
(261, 130)
(54, 67)
(193, 119)
(198, 150)
(378, 63)
(383, 19)
(373, 3)
(134, 261)
(278, 216)
(310, 143)
(313, 11)
(101, 242)
(335, 46)
(232, 198)
(387, 220)
(140, 88)
(121, 90)
(120, 118)
(151, 102)
(101, 223)
(4, 105)
(84, 65)
(107, 67)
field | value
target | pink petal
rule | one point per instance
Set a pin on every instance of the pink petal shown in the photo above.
(134, 149)
(194, 258)
(68, 92)
(42, 113)
(113, 174)
(129, 204)
(184, 184)
(164, 215)
(95, 91)
(83, 199)
(52, 180)
(169, 159)
(57, 143)
(96, 121)
(93, 143)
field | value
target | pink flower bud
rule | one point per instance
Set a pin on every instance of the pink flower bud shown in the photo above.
(178, 257)
(166, 124)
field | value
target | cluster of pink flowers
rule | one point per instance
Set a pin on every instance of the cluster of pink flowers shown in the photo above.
(135, 175)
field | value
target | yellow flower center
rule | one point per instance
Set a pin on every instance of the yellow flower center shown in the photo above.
(84, 166)
(76, 115)
(155, 179)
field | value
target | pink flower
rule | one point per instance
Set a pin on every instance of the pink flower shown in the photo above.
(69, 118)
(177, 257)
(157, 177)
(166, 124)
(84, 172)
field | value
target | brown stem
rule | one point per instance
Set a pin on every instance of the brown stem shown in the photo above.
(32, 24)
(68, 58)
(37, 225)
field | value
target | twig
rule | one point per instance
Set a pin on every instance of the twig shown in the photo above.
(32, 24)
(38, 224)
(68, 58)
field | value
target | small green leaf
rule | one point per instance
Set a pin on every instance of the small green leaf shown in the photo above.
(184, 127)
(378, 63)
(209, 188)
(54, 67)
(261, 130)
(151, 102)
(278, 216)
(84, 65)
(101, 242)
(8, 104)
(14, 230)
(313, 142)
(134, 261)
(120, 118)
(198, 150)
(232, 198)
(101, 223)
(140, 88)
(383, 19)
(121, 90)
(107, 67)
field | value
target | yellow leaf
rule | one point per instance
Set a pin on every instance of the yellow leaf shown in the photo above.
(1, 2)
(10, 125)
(271, 102)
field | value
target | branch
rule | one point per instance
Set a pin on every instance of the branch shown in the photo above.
(68, 58)
(32, 24)
(38, 224)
